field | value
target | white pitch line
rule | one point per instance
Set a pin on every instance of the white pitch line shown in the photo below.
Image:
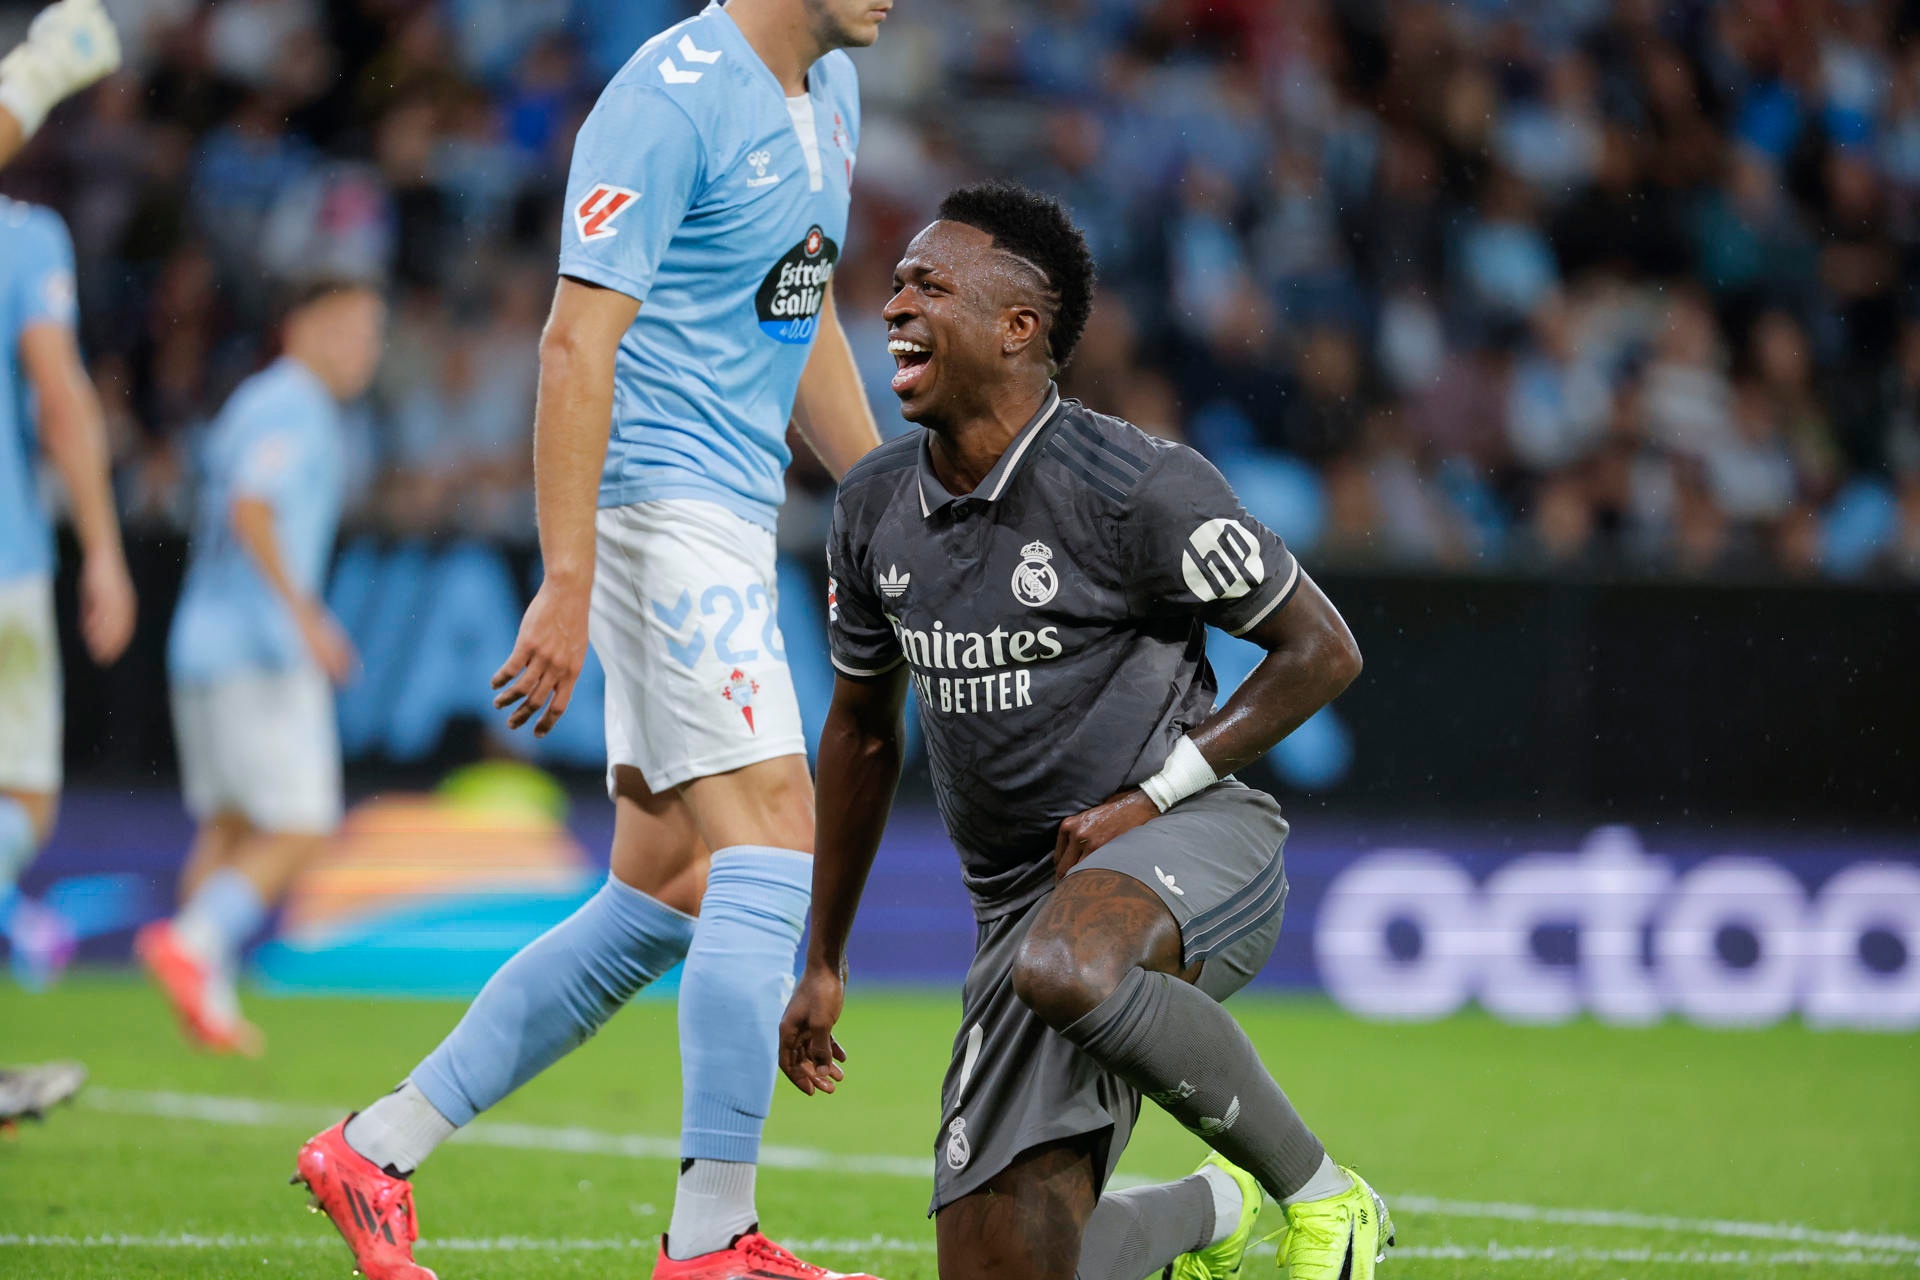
(1785, 1232)
(527, 1137)
(1491, 1252)
(1651, 1257)
(253, 1113)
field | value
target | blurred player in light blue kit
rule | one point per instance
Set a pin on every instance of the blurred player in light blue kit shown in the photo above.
(47, 409)
(254, 654)
(694, 319)
(70, 45)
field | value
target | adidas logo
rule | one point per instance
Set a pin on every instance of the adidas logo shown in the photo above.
(1210, 1126)
(893, 583)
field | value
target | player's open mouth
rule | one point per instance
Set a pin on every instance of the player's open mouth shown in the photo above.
(910, 360)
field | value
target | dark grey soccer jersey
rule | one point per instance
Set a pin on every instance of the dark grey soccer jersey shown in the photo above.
(1053, 619)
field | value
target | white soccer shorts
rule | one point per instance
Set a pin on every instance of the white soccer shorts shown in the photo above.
(262, 744)
(30, 707)
(686, 624)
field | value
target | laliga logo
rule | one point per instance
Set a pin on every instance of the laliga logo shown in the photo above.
(1734, 942)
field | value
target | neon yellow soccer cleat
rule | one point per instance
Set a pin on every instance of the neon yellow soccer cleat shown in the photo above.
(1224, 1260)
(1342, 1237)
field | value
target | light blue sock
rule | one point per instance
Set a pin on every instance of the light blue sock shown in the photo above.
(735, 987)
(16, 850)
(549, 999)
(223, 913)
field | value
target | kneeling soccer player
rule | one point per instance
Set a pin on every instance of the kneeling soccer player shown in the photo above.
(1042, 576)
(254, 654)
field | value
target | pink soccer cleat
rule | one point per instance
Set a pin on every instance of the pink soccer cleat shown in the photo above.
(752, 1257)
(371, 1209)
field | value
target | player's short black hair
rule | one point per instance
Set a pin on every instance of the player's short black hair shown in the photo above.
(1034, 226)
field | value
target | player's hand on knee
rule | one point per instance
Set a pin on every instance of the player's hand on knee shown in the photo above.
(809, 1054)
(1084, 833)
(547, 658)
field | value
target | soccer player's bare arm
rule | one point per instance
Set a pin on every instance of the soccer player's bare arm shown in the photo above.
(1311, 659)
(831, 408)
(571, 424)
(860, 755)
(73, 435)
(252, 519)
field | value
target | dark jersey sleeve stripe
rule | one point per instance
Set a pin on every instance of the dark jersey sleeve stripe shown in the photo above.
(1059, 454)
(1139, 466)
(1101, 462)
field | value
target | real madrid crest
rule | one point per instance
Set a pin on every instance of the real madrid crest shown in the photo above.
(1034, 581)
(958, 1152)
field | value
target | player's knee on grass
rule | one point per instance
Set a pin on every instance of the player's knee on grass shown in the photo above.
(1096, 928)
(1027, 1222)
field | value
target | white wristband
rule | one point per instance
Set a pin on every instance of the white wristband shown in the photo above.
(1185, 773)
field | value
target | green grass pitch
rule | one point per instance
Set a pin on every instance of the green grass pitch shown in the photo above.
(1575, 1151)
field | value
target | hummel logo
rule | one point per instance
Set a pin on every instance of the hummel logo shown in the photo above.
(1167, 880)
(1209, 1127)
(761, 178)
(893, 583)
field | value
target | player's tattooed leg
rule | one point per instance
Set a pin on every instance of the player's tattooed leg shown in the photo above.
(1100, 966)
(1027, 1221)
(1095, 929)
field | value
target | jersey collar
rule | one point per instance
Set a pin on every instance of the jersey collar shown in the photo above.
(934, 495)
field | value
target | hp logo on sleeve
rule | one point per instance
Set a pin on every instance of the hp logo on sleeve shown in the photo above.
(1222, 561)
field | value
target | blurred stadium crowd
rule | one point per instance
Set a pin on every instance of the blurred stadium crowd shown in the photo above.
(1567, 284)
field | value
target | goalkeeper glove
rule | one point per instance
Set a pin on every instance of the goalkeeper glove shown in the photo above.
(70, 45)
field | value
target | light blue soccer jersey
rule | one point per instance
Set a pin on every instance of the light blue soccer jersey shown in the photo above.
(36, 287)
(279, 440)
(701, 189)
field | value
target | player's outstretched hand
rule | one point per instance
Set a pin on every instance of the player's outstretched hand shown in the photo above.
(1085, 832)
(809, 1054)
(107, 607)
(327, 643)
(547, 658)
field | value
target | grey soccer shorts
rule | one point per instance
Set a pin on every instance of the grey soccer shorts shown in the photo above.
(1014, 1082)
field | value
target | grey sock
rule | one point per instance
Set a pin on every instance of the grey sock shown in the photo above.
(1179, 1047)
(1138, 1233)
